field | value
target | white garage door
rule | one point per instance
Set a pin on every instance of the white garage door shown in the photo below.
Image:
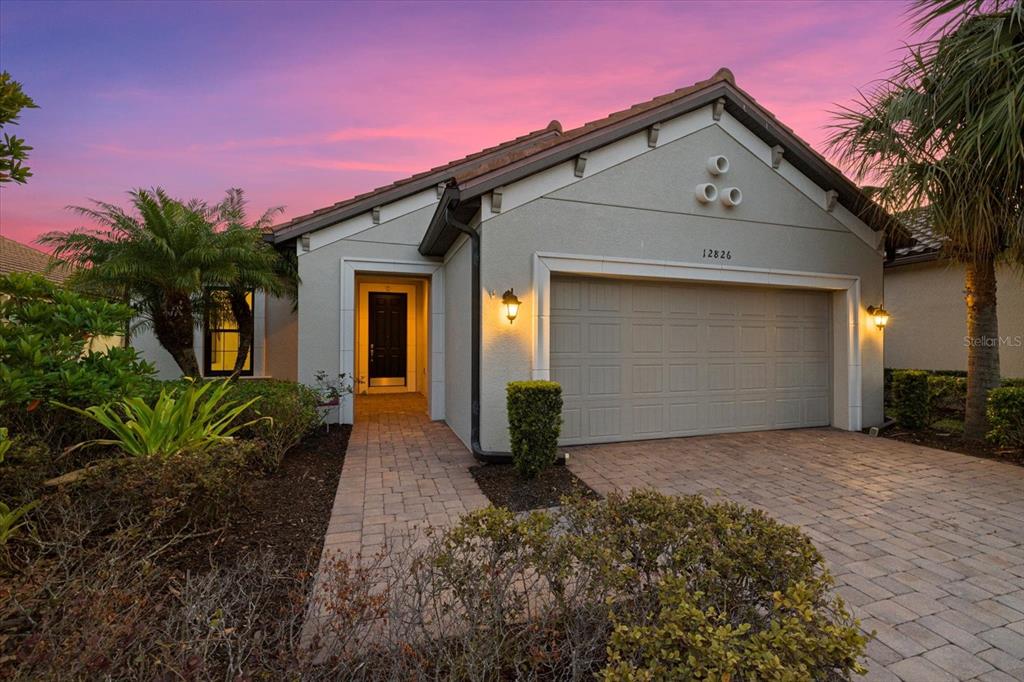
(644, 359)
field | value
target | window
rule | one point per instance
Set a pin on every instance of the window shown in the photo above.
(221, 338)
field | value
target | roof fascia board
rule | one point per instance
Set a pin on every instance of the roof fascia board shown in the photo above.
(438, 221)
(799, 154)
(916, 258)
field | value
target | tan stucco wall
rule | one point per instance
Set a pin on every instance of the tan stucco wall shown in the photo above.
(644, 208)
(929, 317)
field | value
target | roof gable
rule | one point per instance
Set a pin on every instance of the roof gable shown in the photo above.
(719, 91)
(465, 180)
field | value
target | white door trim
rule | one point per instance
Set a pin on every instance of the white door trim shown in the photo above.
(435, 328)
(847, 394)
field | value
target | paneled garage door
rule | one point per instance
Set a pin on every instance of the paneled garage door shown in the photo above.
(645, 359)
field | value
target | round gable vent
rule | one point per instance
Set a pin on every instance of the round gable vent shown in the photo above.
(717, 165)
(706, 193)
(732, 196)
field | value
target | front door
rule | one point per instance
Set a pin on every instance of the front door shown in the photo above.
(388, 315)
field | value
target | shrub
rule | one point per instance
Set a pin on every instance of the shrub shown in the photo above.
(910, 397)
(1006, 416)
(194, 419)
(643, 586)
(188, 488)
(947, 397)
(44, 335)
(285, 413)
(534, 424)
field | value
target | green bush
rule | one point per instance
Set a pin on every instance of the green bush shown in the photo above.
(534, 424)
(644, 586)
(1006, 416)
(44, 335)
(947, 397)
(194, 419)
(910, 396)
(292, 411)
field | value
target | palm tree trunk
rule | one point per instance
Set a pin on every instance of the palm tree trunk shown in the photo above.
(173, 329)
(244, 318)
(982, 343)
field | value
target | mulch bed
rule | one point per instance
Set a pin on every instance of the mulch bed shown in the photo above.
(504, 488)
(955, 442)
(287, 511)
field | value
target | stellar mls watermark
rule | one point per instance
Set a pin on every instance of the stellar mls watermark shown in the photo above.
(1011, 341)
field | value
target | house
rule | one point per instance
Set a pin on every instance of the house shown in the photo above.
(18, 257)
(684, 266)
(924, 294)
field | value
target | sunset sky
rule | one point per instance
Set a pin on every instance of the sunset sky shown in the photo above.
(306, 103)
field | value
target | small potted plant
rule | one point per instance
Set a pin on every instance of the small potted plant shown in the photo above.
(332, 392)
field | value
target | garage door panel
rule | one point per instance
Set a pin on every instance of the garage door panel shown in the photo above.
(604, 337)
(657, 359)
(648, 378)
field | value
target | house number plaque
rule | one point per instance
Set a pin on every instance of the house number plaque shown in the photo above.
(717, 254)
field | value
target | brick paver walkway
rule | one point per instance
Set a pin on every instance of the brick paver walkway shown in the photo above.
(927, 546)
(401, 471)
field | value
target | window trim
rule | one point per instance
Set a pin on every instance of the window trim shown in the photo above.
(207, 338)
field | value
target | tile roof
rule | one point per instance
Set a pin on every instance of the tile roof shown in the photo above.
(18, 257)
(465, 174)
(536, 148)
(919, 240)
(443, 172)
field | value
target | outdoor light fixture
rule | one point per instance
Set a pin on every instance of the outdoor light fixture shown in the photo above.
(511, 303)
(880, 315)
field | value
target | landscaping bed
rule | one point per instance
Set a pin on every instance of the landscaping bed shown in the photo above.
(286, 512)
(953, 441)
(505, 488)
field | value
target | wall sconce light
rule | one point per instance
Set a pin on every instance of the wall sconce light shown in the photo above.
(511, 303)
(880, 316)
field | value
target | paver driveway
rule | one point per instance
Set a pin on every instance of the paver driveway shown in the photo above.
(926, 546)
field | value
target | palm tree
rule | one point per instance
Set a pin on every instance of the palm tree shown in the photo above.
(159, 258)
(166, 256)
(259, 267)
(944, 131)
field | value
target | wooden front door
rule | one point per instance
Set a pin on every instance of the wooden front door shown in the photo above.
(388, 342)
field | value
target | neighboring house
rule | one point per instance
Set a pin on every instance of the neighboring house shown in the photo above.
(924, 294)
(685, 266)
(18, 257)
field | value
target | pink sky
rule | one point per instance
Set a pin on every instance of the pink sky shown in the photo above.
(305, 104)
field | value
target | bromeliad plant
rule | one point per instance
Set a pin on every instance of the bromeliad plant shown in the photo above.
(193, 419)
